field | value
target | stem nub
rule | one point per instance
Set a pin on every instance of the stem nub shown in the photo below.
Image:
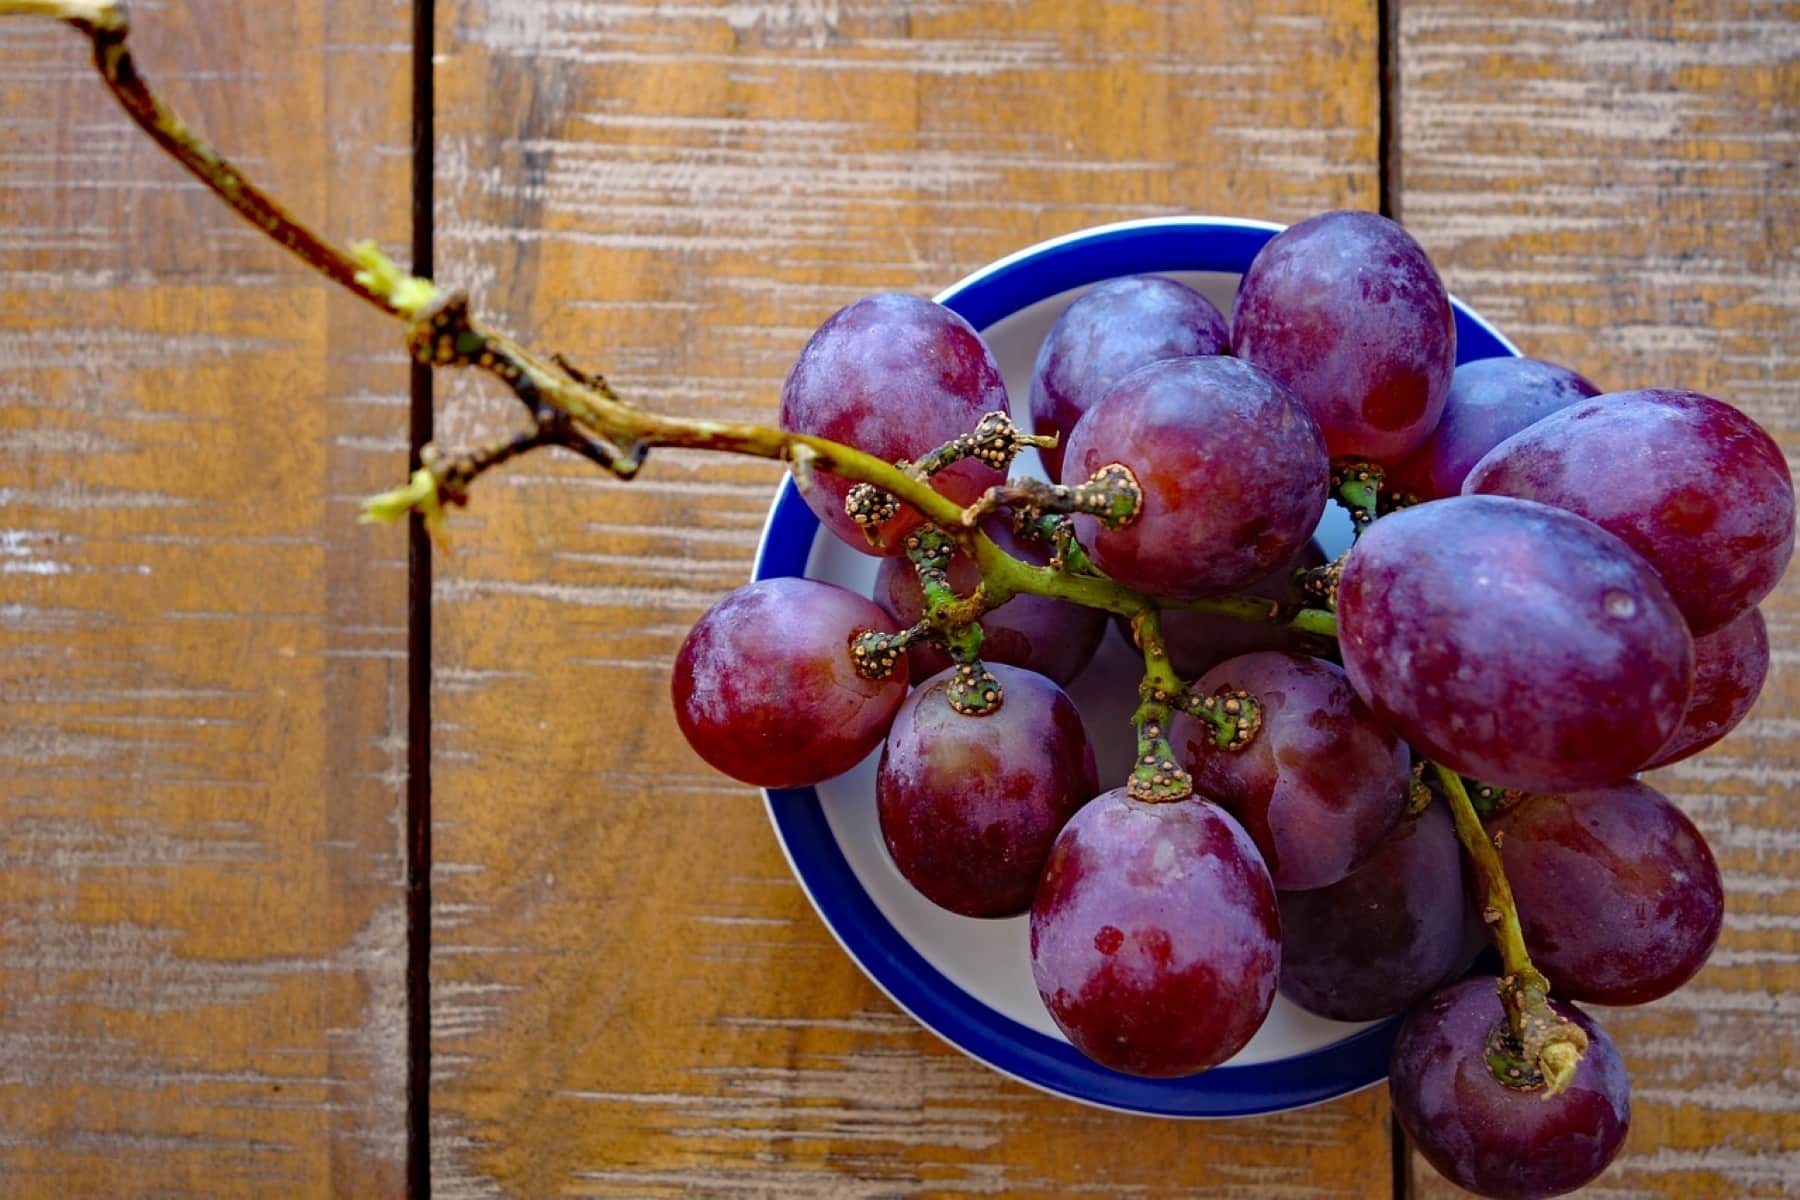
(974, 692)
(1356, 486)
(1235, 716)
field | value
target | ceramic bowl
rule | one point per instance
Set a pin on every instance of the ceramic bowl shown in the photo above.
(969, 980)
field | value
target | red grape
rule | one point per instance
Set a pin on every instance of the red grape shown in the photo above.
(1490, 400)
(765, 689)
(1232, 467)
(1110, 331)
(1514, 642)
(1347, 310)
(1155, 939)
(1492, 1139)
(970, 805)
(895, 376)
(1618, 895)
(1692, 484)
(1052, 637)
(1320, 785)
(1388, 933)
(1730, 664)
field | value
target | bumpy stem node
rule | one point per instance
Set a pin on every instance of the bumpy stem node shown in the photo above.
(1491, 801)
(870, 508)
(875, 654)
(1321, 583)
(1418, 792)
(974, 692)
(1058, 531)
(994, 442)
(1356, 485)
(1113, 497)
(1235, 716)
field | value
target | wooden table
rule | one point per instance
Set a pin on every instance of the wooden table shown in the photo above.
(203, 659)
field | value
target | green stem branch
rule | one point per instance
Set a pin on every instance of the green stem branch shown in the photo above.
(1156, 775)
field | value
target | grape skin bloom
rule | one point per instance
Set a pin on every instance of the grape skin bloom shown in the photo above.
(1391, 931)
(765, 689)
(1692, 484)
(895, 376)
(1322, 783)
(1514, 642)
(1730, 666)
(1490, 400)
(1111, 330)
(1618, 894)
(1232, 468)
(969, 806)
(1346, 309)
(1155, 939)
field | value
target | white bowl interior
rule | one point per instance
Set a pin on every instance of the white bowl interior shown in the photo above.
(988, 959)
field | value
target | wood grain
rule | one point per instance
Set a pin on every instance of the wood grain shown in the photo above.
(632, 997)
(201, 671)
(1615, 185)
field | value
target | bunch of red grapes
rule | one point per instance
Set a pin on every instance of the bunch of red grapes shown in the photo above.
(1559, 590)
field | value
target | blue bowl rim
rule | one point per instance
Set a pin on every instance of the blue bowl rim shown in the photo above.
(1357, 1061)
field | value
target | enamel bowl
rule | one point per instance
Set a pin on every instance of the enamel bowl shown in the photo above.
(969, 980)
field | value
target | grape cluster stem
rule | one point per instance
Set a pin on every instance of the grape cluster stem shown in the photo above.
(1542, 1049)
(569, 409)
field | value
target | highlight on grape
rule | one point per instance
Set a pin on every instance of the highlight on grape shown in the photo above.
(1350, 776)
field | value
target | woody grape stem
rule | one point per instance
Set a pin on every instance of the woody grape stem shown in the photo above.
(1547, 1046)
(570, 409)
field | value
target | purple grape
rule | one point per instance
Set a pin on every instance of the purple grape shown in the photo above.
(1490, 400)
(1052, 637)
(1692, 484)
(765, 690)
(1197, 641)
(1321, 784)
(1388, 933)
(1730, 664)
(1618, 895)
(1514, 642)
(970, 805)
(1155, 939)
(1233, 471)
(895, 376)
(1110, 331)
(1347, 310)
(1492, 1139)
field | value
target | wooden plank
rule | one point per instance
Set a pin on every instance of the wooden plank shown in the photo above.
(202, 685)
(1615, 184)
(631, 995)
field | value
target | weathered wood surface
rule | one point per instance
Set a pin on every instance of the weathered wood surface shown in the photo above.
(201, 655)
(1616, 185)
(201, 683)
(632, 996)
